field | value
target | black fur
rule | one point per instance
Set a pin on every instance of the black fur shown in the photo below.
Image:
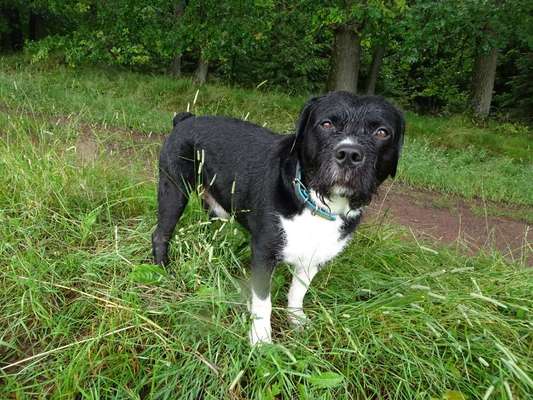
(261, 165)
(356, 118)
(181, 117)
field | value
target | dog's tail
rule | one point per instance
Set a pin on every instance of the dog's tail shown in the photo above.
(181, 117)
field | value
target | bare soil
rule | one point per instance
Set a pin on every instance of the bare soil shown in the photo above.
(454, 223)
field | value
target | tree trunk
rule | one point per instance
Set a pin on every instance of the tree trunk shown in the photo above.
(345, 60)
(200, 75)
(37, 28)
(377, 58)
(175, 67)
(14, 39)
(5, 42)
(483, 77)
(179, 10)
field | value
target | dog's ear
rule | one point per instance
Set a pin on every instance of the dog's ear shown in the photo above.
(301, 125)
(388, 162)
(398, 141)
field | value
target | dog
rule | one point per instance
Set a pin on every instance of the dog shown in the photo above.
(301, 196)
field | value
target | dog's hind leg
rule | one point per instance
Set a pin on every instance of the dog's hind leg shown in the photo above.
(172, 199)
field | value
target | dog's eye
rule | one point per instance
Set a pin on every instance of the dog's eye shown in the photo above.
(382, 133)
(327, 124)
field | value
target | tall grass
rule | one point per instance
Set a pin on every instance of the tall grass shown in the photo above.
(82, 314)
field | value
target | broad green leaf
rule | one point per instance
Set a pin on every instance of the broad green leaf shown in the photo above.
(147, 274)
(453, 395)
(326, 379)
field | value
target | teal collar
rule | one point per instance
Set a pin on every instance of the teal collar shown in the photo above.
(303, 194)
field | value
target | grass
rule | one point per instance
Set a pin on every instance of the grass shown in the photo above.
(447, 154)
(471, 173)
(84, 315)
(513, 141)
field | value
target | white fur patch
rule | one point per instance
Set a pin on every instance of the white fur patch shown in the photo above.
(342, 191)
(337, 203)
(311, 241)
(261, 309)
(346, 141)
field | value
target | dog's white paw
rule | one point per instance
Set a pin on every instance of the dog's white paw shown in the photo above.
(261, 331)
(297, 318)
(259, 335)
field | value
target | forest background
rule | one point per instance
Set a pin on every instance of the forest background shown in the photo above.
(432, 56)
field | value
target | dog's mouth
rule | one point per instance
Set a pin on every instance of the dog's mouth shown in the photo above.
(358, 184)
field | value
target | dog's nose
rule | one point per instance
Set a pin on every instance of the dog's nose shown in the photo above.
(349, 154)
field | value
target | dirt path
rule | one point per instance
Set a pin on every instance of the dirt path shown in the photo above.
(454, 224)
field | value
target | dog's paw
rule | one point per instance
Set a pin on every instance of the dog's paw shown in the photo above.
(259, 335)
(297, 318)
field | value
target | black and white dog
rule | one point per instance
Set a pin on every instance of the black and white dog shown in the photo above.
(300, 196)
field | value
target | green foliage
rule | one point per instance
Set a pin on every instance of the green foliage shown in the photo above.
(367, 16)
(430, 46)
(134, 34)
(437, 42)
(515, 98)
(288, 55)
(224, 29)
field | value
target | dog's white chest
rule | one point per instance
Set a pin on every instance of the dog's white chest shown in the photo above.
(311, 240)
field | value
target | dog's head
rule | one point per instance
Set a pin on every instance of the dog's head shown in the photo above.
(348, 145)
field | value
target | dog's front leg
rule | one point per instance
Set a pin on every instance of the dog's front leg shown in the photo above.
(263, 265)
(301, 279)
